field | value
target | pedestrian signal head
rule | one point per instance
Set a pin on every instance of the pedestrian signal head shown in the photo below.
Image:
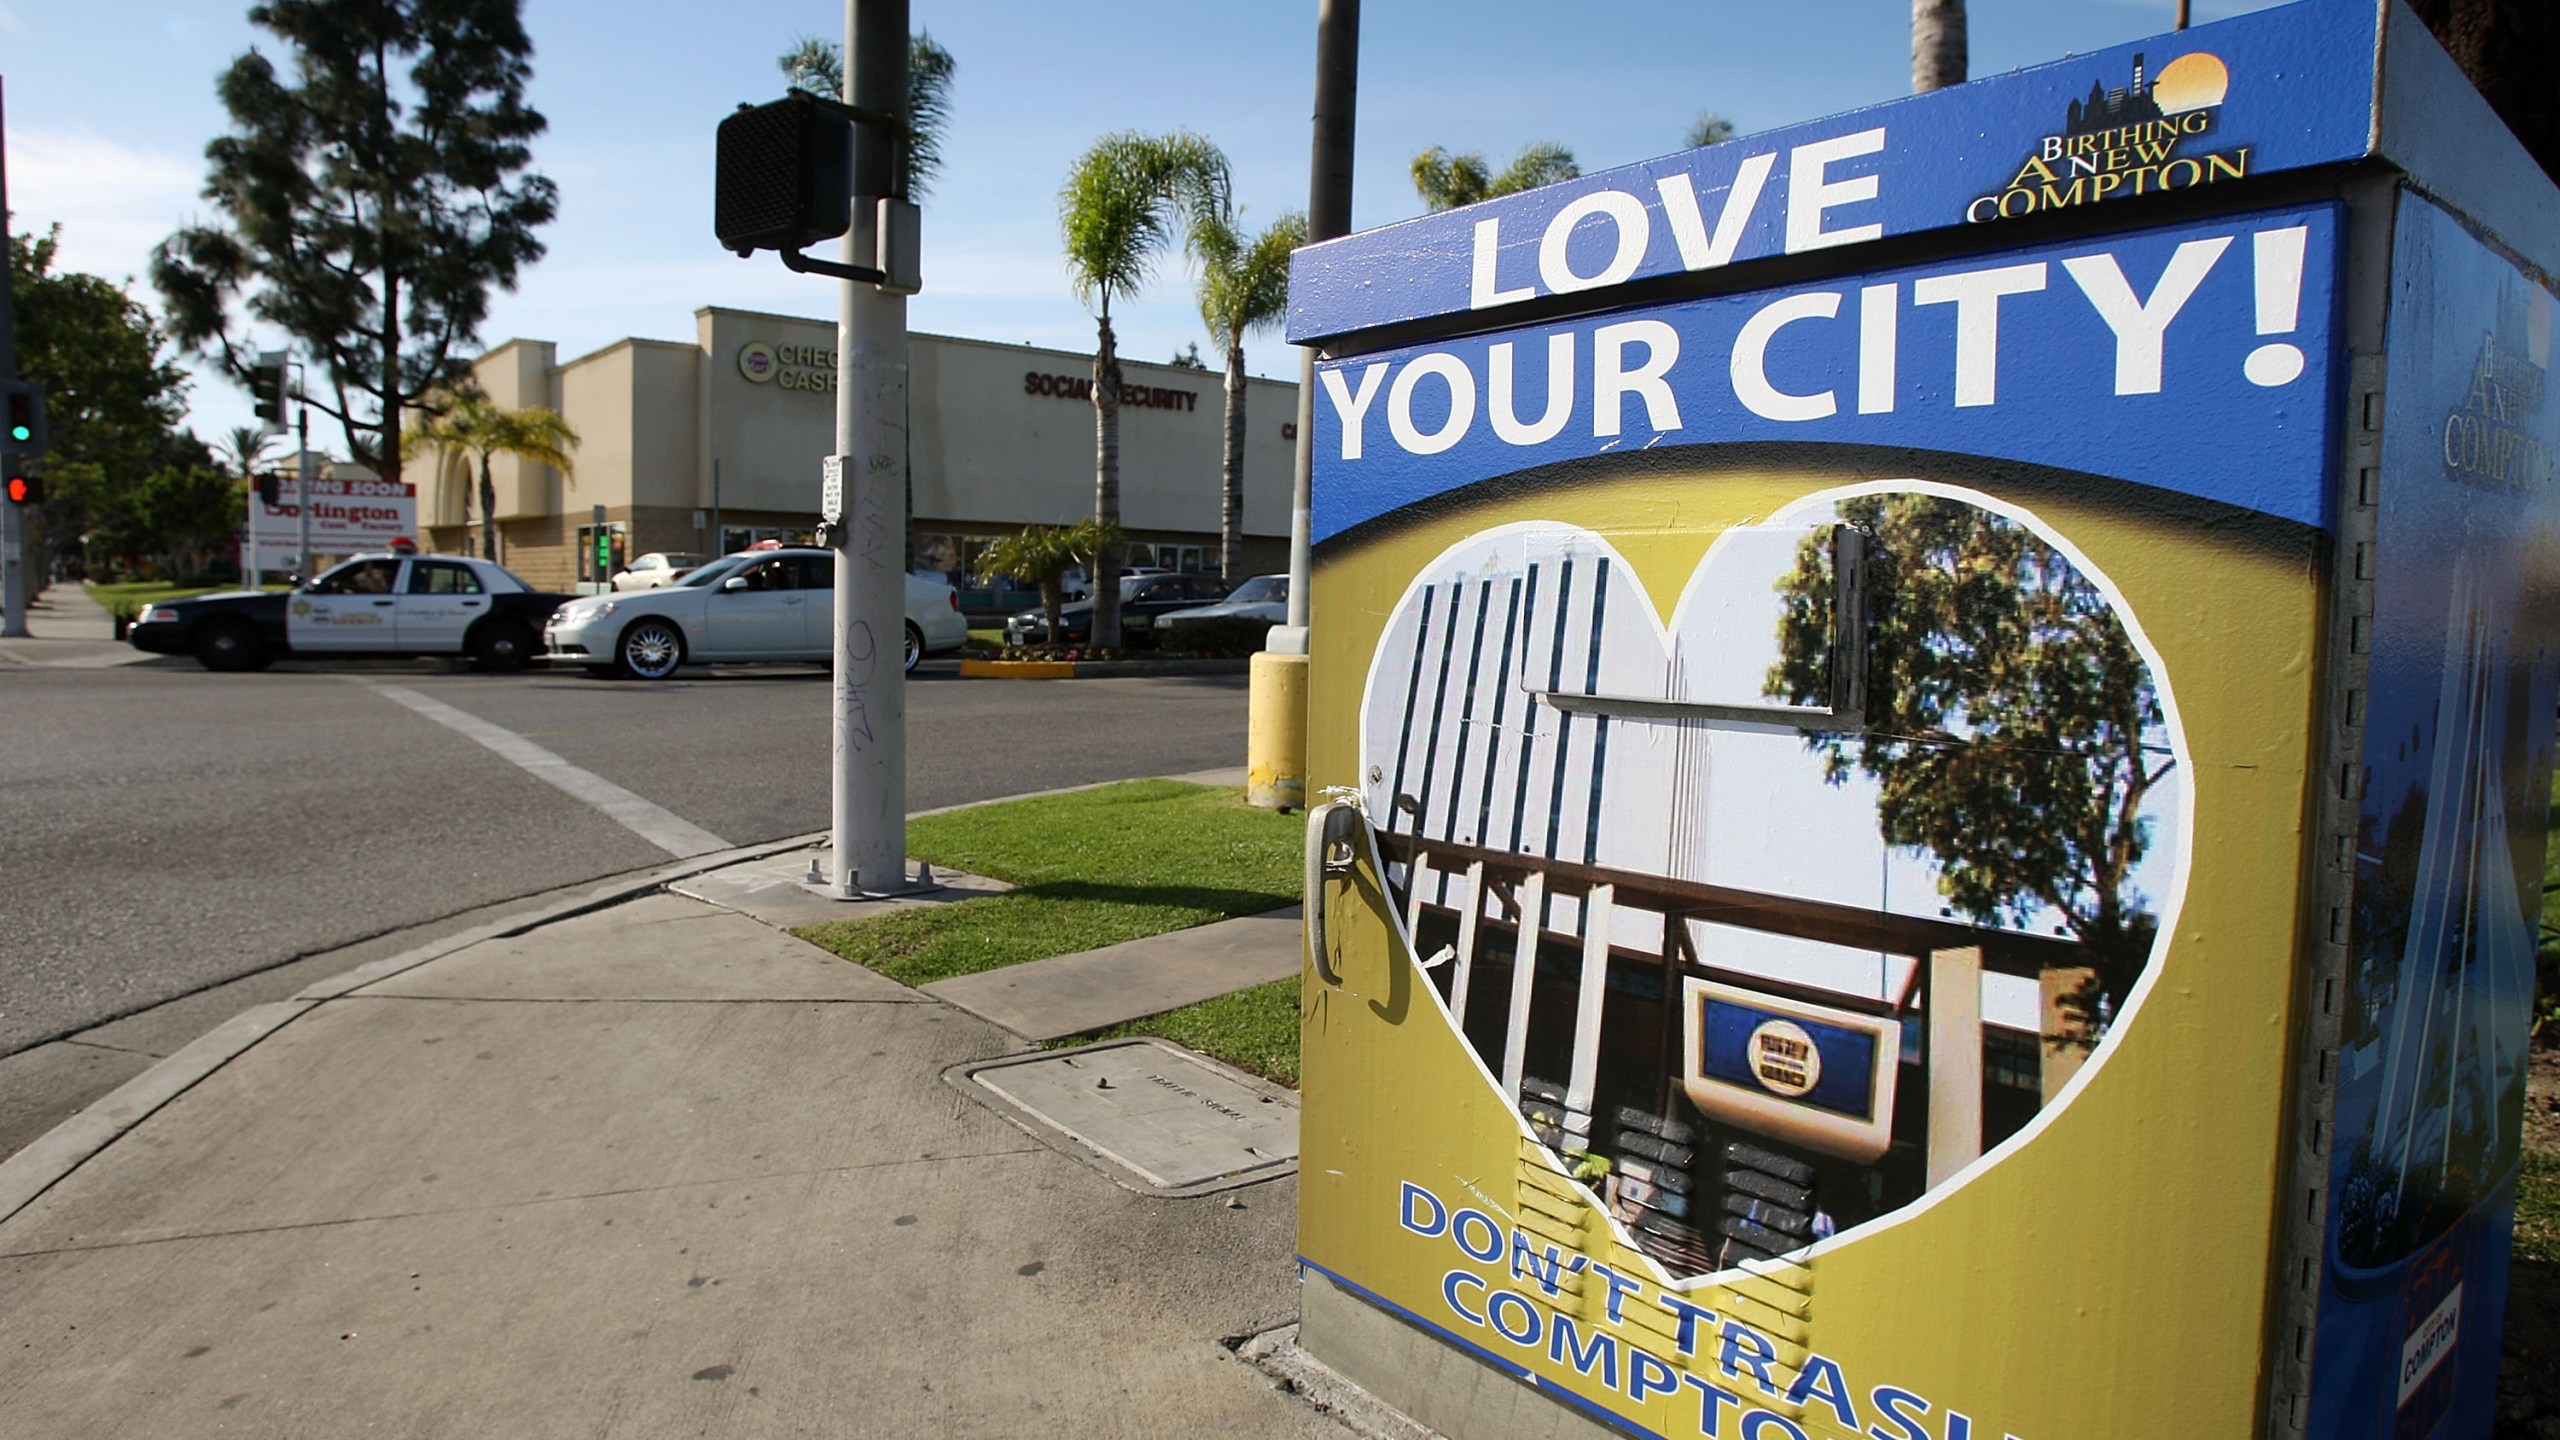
(783, 176)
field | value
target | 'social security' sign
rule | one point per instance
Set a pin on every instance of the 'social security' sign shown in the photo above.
(2216, 104)
(2122, 356)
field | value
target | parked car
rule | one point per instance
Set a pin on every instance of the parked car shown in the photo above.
(372, 605)
(776, 604)
(658, 567)
(1141, 600)
(1077, 584)
(1263, 598)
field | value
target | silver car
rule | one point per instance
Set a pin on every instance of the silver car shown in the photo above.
(755, 605)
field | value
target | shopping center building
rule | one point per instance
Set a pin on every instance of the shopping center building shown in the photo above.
(714, 445)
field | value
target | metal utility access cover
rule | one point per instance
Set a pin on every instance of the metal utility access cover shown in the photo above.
(1178, 1122)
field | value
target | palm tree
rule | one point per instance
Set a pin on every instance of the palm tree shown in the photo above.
(473, 424)
(1126, 198)
(817, 66)
(1244, 285)
(1043, 554)
(1708, 129)
(1447, 181)
(1937, 45)
(244, 447)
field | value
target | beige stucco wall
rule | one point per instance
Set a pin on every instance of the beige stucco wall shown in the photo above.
(997, 436)
(519, 375)
(665, 428)
(1000, 432)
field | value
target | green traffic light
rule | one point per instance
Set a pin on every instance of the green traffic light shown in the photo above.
(21, 433)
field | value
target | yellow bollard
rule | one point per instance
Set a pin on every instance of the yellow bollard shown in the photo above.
(1275, 743)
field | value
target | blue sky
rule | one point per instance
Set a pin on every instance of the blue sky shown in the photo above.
(110, 103)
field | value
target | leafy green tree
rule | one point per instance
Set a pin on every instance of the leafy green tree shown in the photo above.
(371, 192)
(1447, 181)
(2012, 728)
(1043, 554)
(1244, 285)
(191, 509)
(113, 395)
(1709, 128)
(817, 66)
(1126, 200)
(473, 425)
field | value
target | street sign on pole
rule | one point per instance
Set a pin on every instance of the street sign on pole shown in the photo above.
(831, 490)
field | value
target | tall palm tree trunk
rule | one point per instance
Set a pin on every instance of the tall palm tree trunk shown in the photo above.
(1938, 55)
(1106, 481)
(1231, 503)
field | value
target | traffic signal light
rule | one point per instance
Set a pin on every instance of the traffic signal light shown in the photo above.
(266, 390)
(270, 486)
(24, 488)
(783, 178)
(24, 432)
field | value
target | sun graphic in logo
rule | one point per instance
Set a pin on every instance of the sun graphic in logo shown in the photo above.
(2190, 82)
(756, 361)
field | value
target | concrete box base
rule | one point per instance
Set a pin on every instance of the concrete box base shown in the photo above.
(1428, 1379)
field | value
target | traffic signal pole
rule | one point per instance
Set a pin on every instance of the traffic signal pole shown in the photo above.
(13, 539)
(867, 493)
(302, 500)
(1275, 758)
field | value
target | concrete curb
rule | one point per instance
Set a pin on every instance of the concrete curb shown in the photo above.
(27, 1175)
(1095, 669)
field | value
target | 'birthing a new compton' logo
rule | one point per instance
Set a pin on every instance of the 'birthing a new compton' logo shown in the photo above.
(2152, 134)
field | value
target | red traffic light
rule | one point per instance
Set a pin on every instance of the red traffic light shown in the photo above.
(25, 490)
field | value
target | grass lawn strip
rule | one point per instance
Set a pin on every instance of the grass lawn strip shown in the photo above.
(126, 600)
(1255, 1030)
(1092, 868)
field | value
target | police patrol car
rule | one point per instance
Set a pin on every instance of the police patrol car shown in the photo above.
(385, 604)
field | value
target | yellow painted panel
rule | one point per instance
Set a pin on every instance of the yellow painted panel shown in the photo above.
(2045, 1295)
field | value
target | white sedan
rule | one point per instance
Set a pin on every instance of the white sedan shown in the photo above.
(755, 605)
(658, 567)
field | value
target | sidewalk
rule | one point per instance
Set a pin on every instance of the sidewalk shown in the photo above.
(67, 628)
(650, 1169)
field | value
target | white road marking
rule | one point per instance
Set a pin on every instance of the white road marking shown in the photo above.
(651, 822)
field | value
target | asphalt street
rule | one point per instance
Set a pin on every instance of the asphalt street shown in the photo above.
(164, 830)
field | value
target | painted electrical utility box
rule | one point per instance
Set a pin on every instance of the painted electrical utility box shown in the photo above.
(1940, 728)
